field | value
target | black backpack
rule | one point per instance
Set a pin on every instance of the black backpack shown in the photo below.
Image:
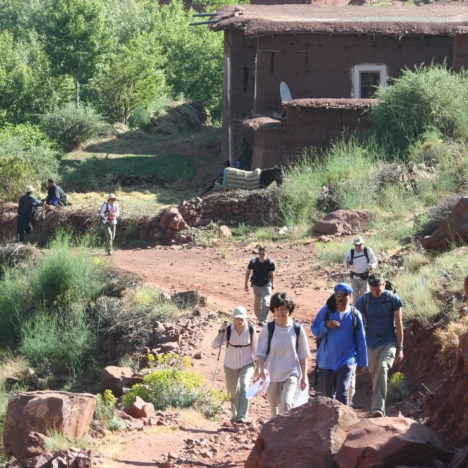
(229, 331)
(366, 254)
(271, 329)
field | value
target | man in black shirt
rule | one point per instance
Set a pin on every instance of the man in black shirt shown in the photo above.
(26, 206)
(261, 268)
(55, 194)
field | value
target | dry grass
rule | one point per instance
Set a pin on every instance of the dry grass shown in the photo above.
(11, 366)
(449, 339)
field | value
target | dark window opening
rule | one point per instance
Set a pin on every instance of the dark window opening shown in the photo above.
(272, 63)
(369, 83)
(246, 78)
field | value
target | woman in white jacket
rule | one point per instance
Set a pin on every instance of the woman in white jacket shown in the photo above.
(110, 211)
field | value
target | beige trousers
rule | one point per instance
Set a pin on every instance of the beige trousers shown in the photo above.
(281, 395)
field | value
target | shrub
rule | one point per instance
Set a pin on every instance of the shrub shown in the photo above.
(397, 387)
(105, 411)
(70, 126)
(426, 98)
(178, 389)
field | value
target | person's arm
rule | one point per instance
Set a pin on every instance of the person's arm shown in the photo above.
(247, 276)
(303, 352)
(346, 262)
(361, 348)
(303, 383)
(319, 327)
(261, 353)
(372, 259)
(117, 210)
(272, 277)
(254, 342)
(399, 335)
(102, 213)
(217, 343)
(37, 202)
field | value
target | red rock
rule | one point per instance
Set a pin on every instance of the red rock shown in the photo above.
(343, 221)
(452, 229)
(390, 442)
(305, 436)
(141, 409)
(224, 231)
(68, 413)
(118, 379)
(172, 220)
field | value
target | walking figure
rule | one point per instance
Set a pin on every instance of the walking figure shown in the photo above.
(109, 213)
(26, 205)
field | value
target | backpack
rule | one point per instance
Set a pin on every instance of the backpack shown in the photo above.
(271, 329)
(327, 318)
(229, 331)
(366, 254)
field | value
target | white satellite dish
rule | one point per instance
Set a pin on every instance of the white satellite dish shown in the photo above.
(285, 92)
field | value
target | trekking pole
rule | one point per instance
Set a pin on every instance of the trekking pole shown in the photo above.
(219, 355)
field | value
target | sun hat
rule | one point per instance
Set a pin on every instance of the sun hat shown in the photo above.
(29, 188)
(239, 312)
(343, 287)
(358, 241)
(111, 196)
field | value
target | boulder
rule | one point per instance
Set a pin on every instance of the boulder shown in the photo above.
(187, 299)
(172, 220)
(118, 379)
(453, 229)
(224, 231)
(307, 436)
(390, 442)
(170, 347)
(343, 221)
(141, 409)
(70, 414)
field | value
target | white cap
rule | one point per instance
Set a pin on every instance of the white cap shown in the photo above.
(239, 312)
(111, 196)
(29, 188)
(358, 241)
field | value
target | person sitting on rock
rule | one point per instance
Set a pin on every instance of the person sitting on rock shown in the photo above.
(282, 352)
(383, 317)
(26, 205)
(55, 194)
(110, 211)
(241, 346)
(360, 261)
(339, 329)
(263, 269)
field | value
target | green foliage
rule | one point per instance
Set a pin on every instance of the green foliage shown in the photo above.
(178, 389)
(105, 412)
(397, 388)
(426, 98)
(27, 156)
(70, 126)
(132, 76)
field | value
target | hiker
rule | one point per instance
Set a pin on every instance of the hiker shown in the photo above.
(262, 269)
(339, 330)
(360, 261)
(26, 206)
(282, 352)
(241, 345)
(383, 320)
(55, 194)
(109, 213)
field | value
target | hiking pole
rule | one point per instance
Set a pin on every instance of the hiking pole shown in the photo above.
(219, 355)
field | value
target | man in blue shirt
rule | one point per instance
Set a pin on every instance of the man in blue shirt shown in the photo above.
(383, 316)
(340, 328)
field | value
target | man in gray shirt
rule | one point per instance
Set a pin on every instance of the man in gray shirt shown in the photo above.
(360, 261)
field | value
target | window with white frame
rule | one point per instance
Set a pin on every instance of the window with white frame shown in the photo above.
(367, 78)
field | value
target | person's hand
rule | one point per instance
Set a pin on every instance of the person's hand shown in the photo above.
(303, 384)
(246, 287)
(262, 374)
(399, 356)
(223, 327)
(333, 324)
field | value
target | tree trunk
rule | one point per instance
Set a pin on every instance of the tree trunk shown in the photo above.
(77, 91)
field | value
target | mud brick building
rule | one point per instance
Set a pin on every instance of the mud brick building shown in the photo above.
(331, 59)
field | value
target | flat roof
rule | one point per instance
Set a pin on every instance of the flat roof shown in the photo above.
(396, 20)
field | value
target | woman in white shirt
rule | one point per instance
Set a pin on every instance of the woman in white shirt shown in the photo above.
(241, 344)
(109, 213)
(282, 352)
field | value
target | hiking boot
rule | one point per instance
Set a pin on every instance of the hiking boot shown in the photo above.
(241, 421)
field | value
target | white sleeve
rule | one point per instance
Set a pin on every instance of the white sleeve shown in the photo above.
(372, 258)
(262, 345)
(303, 350)
(103, 211)
(117, 210)
(346, 260)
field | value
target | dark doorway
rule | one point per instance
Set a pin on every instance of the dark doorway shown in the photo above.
(369, 82)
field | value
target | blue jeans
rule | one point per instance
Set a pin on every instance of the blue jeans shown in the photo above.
(335, 384)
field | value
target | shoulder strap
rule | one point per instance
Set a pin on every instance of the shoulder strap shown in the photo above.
(352, 255)
(228, 335)
(297, 330)
(366, 254)
(353, 312)
(389, 300)
(271, 330)
(366, 302)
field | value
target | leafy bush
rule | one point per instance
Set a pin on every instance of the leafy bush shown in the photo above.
(178, 389)
(27, 156)
(397, 387)
(105, 411)
(424, 99)
(70, 126)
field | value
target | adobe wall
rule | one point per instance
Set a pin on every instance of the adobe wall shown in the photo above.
(460, 52)
(320, 66)
(238, 88)
(303, 127)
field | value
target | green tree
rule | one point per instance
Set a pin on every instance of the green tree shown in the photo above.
(76, 37)
(132, 77)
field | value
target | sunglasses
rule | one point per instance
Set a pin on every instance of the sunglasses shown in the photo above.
(341, 294)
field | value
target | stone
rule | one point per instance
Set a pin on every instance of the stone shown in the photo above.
(170, 347)
(187, 299)
(118, 379)
(39, 461)
(224, 231)
(390, 442)
(172, 220)
(343, 221)
(453, 229)
(141, 409)
(303, 436)
(70, 414)
(460, 460)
